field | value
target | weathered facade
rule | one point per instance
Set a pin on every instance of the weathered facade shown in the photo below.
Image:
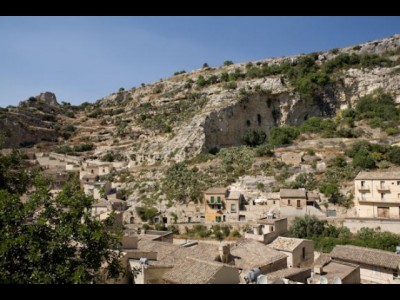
(300, 252)
(376, 266)
(377, 195)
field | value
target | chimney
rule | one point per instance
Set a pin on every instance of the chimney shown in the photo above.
(224, 253)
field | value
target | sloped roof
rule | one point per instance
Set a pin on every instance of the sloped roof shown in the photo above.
(250, 254)
(216, 190)
(234, 196)
(288, 273)
(194, 271)
(292, 193)
(378, 175)
(170, 254)
(367, 256)
(285, 244)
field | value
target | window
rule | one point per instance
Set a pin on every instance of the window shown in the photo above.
(218, 219)
(382, 184)
(218, 206)
(288, 202)
(398, 182)
(212, 199)
(382, 196)
(273, 202)
(362, 183)
(304, 252)
(233, 208)
(218, 199)
(363, 196)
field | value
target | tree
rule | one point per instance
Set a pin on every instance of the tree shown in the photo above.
(254, 137)
(306, 227)
(205, 66)
(54, 239)
(228, 63)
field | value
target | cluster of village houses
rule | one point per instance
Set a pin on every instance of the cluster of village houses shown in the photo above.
(263, 255)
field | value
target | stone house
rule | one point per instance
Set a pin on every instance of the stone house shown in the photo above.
(248, 254)
(299, 252)
(376, 266)
(221, 204)
(98, 189)
(293, 197)
(100, 207)
(332, 270)
(267, 229)
(377, 195)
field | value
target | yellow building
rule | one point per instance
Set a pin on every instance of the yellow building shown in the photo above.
(377, 195)
(215, 202)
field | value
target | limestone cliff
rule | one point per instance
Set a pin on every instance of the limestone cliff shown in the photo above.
(217, 114)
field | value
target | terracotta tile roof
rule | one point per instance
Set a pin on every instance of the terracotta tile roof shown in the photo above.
(195, 271)
(285, 244)
(367, 256)
(378, 175)
(292, 193)
(216, 190)
(252, 254)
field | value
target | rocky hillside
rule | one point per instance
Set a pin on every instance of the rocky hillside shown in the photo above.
(38, 119)
(211, 108)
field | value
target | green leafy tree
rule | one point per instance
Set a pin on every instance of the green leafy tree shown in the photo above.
(254, 137)
(307, 227)
(54, 239)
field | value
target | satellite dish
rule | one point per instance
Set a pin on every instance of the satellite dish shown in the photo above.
(262, 279)
(323, 280)
(337, 280)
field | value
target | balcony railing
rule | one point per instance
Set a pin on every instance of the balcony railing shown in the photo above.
(363, 188)
(383, 188)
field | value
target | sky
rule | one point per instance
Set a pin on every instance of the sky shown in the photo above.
(86, 58)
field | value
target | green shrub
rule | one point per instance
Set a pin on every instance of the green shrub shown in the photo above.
(147, 213)
(254, 137)
(285, 135)
(230, 85)
(228, 63)
(180, 72)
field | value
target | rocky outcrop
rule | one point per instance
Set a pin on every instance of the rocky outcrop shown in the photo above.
(31, 122)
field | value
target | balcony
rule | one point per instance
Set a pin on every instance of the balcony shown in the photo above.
(363, 188)
(383, 188)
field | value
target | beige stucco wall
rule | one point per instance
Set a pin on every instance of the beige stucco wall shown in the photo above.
(376, 274)
(293, 202)
(384, 224)
(297, 255)
(275, 266)
(368, 197)
(353, 277)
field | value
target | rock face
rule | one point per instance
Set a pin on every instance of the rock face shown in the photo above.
(31, 122)
(176, 118)
(48, 98)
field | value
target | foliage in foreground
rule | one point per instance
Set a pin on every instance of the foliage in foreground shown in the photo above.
(50, 239)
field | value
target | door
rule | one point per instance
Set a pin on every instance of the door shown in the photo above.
(298, 203)
(383, 212)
